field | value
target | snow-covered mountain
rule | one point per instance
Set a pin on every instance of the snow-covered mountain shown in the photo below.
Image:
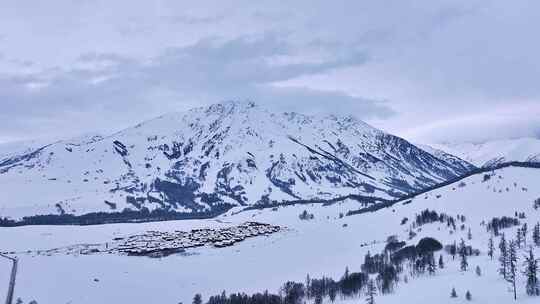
(447, 157)
(230, 153)
(495, 152)
(13, 149)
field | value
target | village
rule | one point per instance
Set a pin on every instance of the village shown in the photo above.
(160, 243)
(164, 243)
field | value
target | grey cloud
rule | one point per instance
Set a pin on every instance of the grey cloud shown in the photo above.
(125, 91)
(431, 61)
(507, 122)
(305, 100)
(243, 60)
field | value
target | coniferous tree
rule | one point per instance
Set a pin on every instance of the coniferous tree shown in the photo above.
(468, 296)
(503, 258)
(531, 272)
(223, 296)
(453, 294)
(431, 266)
(491, 248)
(412, 234)
(332, 292)
(536, 234)
(387, 278)
(293, 292)
(308, 286)
(463, 264)
(512, 266)
(197, 299)
(441, 262)
(371, 292)
(519, 237)
(478, 271)
(453, 250)
(495, 229)
(524, 229)
(469, 234)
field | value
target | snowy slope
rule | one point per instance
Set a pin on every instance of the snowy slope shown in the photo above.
(323, 246)
(231, 153)
(12, 149)
(449, 158)
(495, 152)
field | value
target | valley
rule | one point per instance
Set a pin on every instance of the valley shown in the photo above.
(322, 246)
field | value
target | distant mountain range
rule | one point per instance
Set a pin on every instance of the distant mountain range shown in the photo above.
(492, 153)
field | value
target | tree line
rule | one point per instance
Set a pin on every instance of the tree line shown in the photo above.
(127, 215)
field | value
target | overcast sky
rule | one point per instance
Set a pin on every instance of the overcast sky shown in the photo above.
(429, 70)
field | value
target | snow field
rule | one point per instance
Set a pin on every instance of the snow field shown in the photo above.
(322, 246)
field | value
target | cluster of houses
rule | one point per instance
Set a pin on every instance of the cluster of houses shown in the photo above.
(158, 243)
(163, 243)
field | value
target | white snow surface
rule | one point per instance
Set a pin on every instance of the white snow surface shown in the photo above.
(322, 246)
(11, 149)
(495, 152)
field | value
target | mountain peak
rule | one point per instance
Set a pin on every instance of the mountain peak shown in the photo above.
(229, 107)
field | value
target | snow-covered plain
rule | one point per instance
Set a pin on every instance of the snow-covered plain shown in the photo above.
(323, 246)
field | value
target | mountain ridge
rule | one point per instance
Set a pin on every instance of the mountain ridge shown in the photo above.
(494, 152)
(233, 153)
